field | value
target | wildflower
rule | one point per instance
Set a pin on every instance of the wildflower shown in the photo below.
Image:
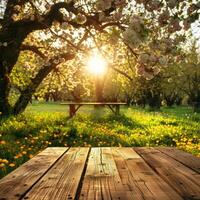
(30, 156)
(16, 157)
(2, 165)
(2, 142)
(5, 161)
(11, 165)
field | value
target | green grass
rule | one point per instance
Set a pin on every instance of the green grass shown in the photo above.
(44, 125)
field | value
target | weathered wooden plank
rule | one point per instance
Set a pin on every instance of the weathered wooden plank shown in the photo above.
(15, 185)
(102, 180)
(183, 157)
(139, 178)
(184, 180)
(62, 180)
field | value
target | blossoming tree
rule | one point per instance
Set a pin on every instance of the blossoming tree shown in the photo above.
(151, 30)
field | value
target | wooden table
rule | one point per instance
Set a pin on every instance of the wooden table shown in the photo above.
(74, 106)
(105, 173)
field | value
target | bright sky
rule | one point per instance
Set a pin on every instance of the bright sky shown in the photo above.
(196, 31)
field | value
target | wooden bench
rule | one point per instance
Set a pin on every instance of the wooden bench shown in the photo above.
(105, 173)
(74, 106)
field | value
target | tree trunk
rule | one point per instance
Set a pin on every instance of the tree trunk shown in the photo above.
(7, 62)
(170, 99)
(4, 93)
(99, 90)
(26, 95)
(154, 100)
(196, 102)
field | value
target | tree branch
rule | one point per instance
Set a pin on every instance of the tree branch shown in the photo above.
(121, 72)
(33, 49)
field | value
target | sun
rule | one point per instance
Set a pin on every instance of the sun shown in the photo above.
(97, 65)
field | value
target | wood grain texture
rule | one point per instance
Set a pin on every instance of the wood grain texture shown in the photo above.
(105, 174)
(184, 180)
(62, 180)
(183, 157)
(102, 180)
(15, 185)
(139, 178)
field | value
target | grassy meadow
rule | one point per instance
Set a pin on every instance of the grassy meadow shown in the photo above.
(44, 125)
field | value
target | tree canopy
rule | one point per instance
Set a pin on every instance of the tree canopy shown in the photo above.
(44, 37)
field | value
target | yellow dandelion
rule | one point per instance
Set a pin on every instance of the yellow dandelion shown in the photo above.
(2, 142)
(30, 156)
(24, 152)
(12, 165)
(5, 161)
(2, 165)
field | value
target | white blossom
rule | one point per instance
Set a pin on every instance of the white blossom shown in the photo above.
(14, 17)
(132, 38)
(5, 44)
(17, 8)
(133, 35)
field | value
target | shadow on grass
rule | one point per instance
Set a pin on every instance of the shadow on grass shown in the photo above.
(112, 119)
